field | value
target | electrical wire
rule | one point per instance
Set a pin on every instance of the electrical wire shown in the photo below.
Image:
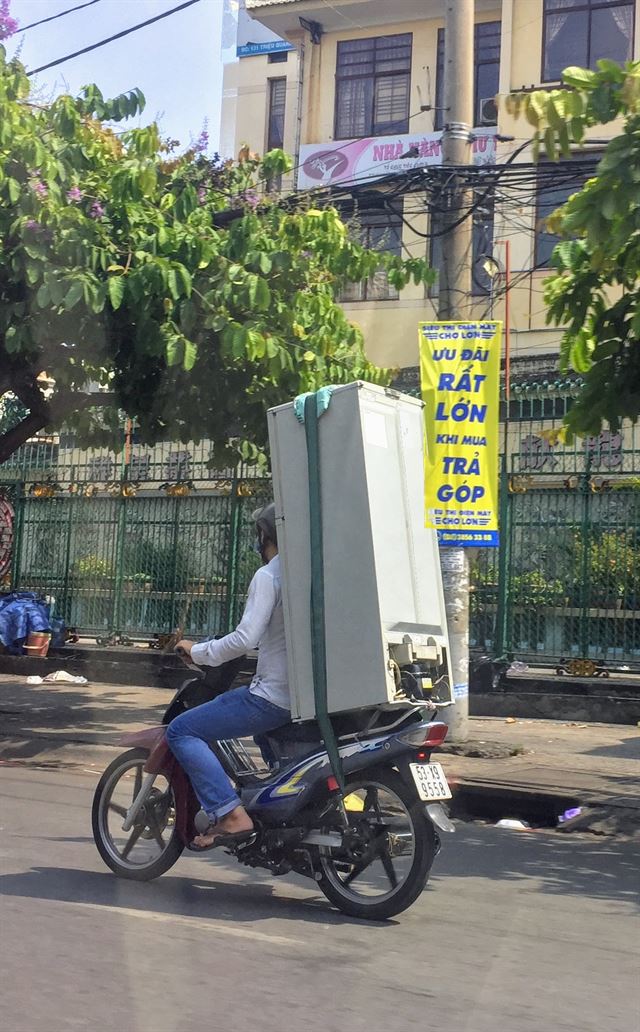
(110, 39)
(53, 17)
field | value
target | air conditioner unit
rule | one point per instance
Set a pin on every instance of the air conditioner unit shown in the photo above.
(488, 111)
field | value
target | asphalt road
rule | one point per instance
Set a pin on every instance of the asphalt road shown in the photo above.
(516, 933)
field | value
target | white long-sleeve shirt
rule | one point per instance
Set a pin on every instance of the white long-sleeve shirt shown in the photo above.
(262, 624)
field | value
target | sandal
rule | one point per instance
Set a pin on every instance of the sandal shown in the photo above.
(228, 839)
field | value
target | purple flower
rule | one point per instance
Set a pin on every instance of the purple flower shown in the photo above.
(202, 142)
(251, 198)
(96, 210)
(202, 195)
(8, 25)
(74, 194)
(40, 188)
(34, 226)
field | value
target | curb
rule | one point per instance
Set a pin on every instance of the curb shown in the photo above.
(472, 800)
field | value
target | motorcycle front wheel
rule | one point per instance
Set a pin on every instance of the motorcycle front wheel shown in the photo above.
(392, 849)
(153, 844)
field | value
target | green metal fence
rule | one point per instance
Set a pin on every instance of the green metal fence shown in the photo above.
(135, 543)
(141, 541)
(565, 583)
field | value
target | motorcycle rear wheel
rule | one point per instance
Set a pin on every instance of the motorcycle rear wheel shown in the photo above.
(153, 844)
(379, 886)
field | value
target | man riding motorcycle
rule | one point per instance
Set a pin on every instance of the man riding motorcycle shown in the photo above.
(252, 710)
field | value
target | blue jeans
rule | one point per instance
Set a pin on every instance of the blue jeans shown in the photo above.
(232, 715)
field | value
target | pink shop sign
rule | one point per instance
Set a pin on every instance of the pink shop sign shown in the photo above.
(355, 161)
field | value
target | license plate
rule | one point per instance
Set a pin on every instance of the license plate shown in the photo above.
(430, 781)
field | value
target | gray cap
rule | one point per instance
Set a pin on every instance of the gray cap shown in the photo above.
(265, 519)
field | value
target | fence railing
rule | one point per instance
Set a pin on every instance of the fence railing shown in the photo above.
(132, 543)
(139, 541)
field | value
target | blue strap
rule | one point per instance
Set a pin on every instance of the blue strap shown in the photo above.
(323, 397)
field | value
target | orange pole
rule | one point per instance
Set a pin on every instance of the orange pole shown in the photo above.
(128, 431)
(507, 321)
(507, 338)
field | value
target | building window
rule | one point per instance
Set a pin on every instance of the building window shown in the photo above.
(379, 231)
(486, 75)
(278, 57)
(275, 124)
(373, 83)
(275, 116)
(555, 187)
(482, 245)
(579, 32)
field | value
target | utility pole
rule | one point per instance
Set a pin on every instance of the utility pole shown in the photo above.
(455, 292)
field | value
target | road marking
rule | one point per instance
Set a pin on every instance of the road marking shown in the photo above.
(202, 924)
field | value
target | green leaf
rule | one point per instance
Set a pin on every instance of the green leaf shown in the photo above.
(569, 252)
(13, 340)
(115, 286)
(33, 273)
(613, 71)
(190, 355)
(602, 104)
(577, 129)
(172, 284)
(42, 296)
(263, 296)
(239, 342)
(609, 205)
(257, 344)
(537, 107)
(550, 144)
(252, 289)
(185, 277)
(13, 190)
(563, 141)
(581, 78)
(74, 294)
(188, 317)
(556, 110)
(174, 349)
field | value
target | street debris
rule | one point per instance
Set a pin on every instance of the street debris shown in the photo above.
(57, 677)
(511, 824)
(603, 820)
(568, 815)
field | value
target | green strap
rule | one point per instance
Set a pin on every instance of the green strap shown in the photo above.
(318, 631)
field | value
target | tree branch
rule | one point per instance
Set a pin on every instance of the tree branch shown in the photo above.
(19, 435)
(50, 413)
(28, 390)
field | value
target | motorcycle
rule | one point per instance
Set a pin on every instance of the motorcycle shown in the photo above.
(369, 849)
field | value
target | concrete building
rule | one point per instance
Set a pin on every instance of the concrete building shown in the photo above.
(361, 87)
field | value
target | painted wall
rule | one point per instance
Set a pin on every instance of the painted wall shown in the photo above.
(390, 327)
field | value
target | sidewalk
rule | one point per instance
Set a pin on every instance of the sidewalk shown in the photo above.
(597, 762)
(595, 765)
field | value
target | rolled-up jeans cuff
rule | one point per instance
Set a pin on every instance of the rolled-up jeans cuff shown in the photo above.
(225, 808)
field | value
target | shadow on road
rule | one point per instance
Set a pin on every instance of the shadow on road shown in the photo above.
(243, 902)
(563, 865)
(629, 749)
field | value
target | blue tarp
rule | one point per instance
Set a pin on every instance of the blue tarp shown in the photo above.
(20, 613)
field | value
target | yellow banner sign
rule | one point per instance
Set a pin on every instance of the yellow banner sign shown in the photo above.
(460, 375)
